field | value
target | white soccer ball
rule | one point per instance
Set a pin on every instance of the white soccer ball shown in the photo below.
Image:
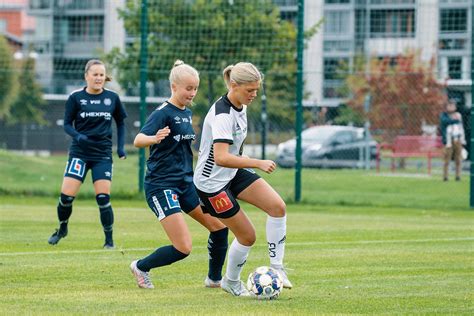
(265, 283)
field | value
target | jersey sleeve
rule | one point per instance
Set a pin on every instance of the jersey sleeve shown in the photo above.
(222, 129)
(119, 113)
(69, 116)
(156, 121)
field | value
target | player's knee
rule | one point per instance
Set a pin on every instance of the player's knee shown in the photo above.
(103, 200)
(248, 240)
(278, 209)
(184, 247)
(66, 200)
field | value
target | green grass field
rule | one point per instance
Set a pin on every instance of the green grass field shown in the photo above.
(354, 246)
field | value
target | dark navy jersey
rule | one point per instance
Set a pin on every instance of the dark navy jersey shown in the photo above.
(91, 115)
(171, 161)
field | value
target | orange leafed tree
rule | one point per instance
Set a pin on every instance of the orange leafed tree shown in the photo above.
(404, 93)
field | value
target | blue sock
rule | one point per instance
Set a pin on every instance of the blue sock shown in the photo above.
(217, 245)
(162, 256)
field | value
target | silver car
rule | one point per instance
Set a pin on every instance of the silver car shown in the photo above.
(329, 146)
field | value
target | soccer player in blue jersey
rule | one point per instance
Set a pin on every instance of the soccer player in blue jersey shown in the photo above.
(222, 176)
(169, 184)
(88, 120)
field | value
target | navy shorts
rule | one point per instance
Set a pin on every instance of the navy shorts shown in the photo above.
(166, 201)
(223, 203)
(77, 168)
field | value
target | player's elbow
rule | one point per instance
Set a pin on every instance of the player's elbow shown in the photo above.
(137, 142)
(220, 160)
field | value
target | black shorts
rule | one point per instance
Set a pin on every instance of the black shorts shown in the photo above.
(77, 168)
(166, 201)
(223, 203)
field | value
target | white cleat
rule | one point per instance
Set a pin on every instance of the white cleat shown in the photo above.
(236, 288)
(286, 283)
(143, 278)
(211, 283)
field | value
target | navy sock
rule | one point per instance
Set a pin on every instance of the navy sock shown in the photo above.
(162, 256)
(106, 214)
(64, 209)
(217, 245)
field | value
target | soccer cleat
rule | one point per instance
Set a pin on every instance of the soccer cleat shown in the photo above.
(211, 283)
(143, 278)
(57, 235)
(286, 283)
(109, 244)
(236, 288)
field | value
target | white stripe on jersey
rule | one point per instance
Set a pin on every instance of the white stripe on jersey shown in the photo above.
(222, 123)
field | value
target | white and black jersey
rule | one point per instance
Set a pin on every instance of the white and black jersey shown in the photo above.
(224, 123)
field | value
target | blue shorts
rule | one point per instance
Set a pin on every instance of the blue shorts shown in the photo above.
(166, 201)
(223, 203)
(77, 168)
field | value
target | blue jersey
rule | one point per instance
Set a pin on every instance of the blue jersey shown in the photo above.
(171, 161)
(91, 115)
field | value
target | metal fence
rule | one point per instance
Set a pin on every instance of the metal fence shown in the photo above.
(374, 71)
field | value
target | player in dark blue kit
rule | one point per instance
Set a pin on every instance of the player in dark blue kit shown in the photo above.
(169, 184)
(88, 120)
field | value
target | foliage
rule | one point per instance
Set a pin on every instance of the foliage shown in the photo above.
(210, 35)
(7, 78)
(404, 94)
(29, 104)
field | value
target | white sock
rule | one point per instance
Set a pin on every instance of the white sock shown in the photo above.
(235, 261)
(276, 237)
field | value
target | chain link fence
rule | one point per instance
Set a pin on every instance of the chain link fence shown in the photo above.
(377, 74)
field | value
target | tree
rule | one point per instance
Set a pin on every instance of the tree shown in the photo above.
(210, 35)
(28, 106)
(7, 78)
(405, 93)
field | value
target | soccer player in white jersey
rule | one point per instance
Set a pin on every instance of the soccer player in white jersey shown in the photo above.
(221, 177)
(169, 187)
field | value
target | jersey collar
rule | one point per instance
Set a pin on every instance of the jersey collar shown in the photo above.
(227, 101)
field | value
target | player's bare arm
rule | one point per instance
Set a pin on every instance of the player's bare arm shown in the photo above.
(223, 158)
(142, 140)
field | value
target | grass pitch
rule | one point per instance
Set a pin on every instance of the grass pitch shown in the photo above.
(343, 260)
(360, 242)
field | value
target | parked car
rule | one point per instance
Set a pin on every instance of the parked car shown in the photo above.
(329, 146)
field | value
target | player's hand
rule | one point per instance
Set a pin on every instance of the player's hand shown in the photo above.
(121, 153)
(267, 166)
(83, 140)
(161, 134)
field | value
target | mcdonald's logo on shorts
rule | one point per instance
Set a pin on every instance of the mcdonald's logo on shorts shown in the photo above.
(221, 203)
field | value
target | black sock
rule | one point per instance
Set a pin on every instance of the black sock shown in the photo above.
(106, 214)
(217, 247)
(161, 257)
(64, 210)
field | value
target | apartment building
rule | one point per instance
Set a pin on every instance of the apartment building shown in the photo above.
(70, 32)
(381, 28)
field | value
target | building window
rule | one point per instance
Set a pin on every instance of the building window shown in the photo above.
(333, 77)
(336, 22)
(453, 44)
(337, 46)
(3, 26)
(453, 21)
(337, 1)
(392, 23)
(86, 28)
(455, 67)
(40, 4)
